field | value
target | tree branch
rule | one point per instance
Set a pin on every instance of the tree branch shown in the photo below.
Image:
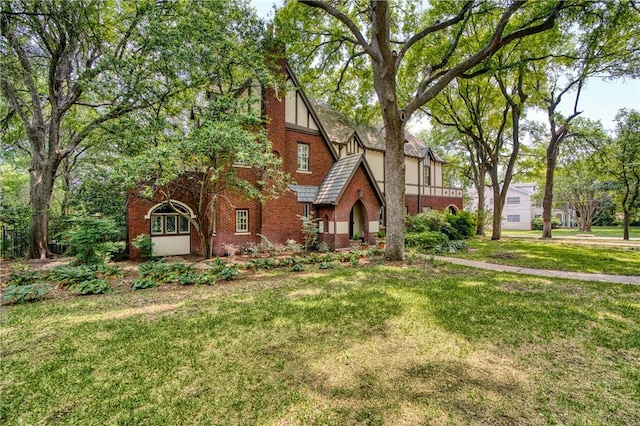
(346, 21)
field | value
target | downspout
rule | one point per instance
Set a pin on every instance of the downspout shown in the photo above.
(420, 160)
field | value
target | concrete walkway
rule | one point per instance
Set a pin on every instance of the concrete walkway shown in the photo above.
(621, 279)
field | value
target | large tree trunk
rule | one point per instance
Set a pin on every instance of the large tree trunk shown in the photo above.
(481, 212)
(41, 188)
(384, 82)
(394, 189)
(625, 224)
(66, 187)
(496, 228)
(547, 202)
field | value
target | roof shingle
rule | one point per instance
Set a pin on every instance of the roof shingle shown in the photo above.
(340, 128)
(337, 179)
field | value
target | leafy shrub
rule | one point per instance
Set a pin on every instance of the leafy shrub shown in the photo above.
(71, 275)
(297, 267)
(206, 278)
(537, 223)
(451, 232)
(326, 265)
(93, 239)
(22, 275)
(464, 223)
(189, 278)
(217, 265)
(164, 272)
(323, 247)
(256, 264)
(431, 220)
(425, 240)
(354, 260)
(26, 292)
(329, 257)
(92, 286)
(229, 249)
(454, 246)
(104, 270)
(285, 261)
(143, 283)
(229, 272)
(145, 245)
(292, 246)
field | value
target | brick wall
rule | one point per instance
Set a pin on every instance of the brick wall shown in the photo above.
(435, 203)
(320, 158)
(137, 208)
(370, 201)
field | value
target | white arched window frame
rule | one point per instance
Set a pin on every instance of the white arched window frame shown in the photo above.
(165, 220)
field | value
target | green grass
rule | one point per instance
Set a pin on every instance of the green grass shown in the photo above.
(556, 255)
(596, 231)
(377, 345)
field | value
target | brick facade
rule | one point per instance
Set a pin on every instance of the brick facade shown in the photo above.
(434, 203)
(279, 220)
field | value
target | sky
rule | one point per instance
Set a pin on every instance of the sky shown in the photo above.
(600, 99)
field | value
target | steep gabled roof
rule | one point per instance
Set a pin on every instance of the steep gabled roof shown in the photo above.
(340, 128)
(314, 114)
(339, 176)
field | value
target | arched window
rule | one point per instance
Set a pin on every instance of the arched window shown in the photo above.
(169, 219)
(453, 209)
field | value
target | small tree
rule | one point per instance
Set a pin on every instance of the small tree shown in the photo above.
(93, 239)
(309, 231)
(622, 160)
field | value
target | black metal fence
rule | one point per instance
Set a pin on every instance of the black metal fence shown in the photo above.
(14, 240)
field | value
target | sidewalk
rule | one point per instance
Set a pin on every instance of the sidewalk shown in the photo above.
(621, 279)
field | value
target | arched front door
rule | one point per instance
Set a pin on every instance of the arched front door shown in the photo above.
(170, 229)
(357, 221)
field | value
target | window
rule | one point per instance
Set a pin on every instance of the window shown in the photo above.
(513, 200)
(303, 157)
(426, 175)
(170, 220)
(307, 210)
(170, 224)
(156, 224)
(242, 220)
(184, 225)
(513, 218)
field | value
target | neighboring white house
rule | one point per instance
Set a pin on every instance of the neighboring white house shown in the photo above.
(518, 208)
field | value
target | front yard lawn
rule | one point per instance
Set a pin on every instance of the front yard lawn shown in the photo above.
(596, 231)
(384, 344)
(556, 255)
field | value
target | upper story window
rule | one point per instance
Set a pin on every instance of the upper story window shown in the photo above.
(513, 200)
(426, 174)
(303, 157)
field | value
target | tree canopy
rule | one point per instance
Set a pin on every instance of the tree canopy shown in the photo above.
(404, 54)
(77, 73)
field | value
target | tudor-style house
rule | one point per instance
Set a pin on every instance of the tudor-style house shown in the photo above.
(338, 170)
